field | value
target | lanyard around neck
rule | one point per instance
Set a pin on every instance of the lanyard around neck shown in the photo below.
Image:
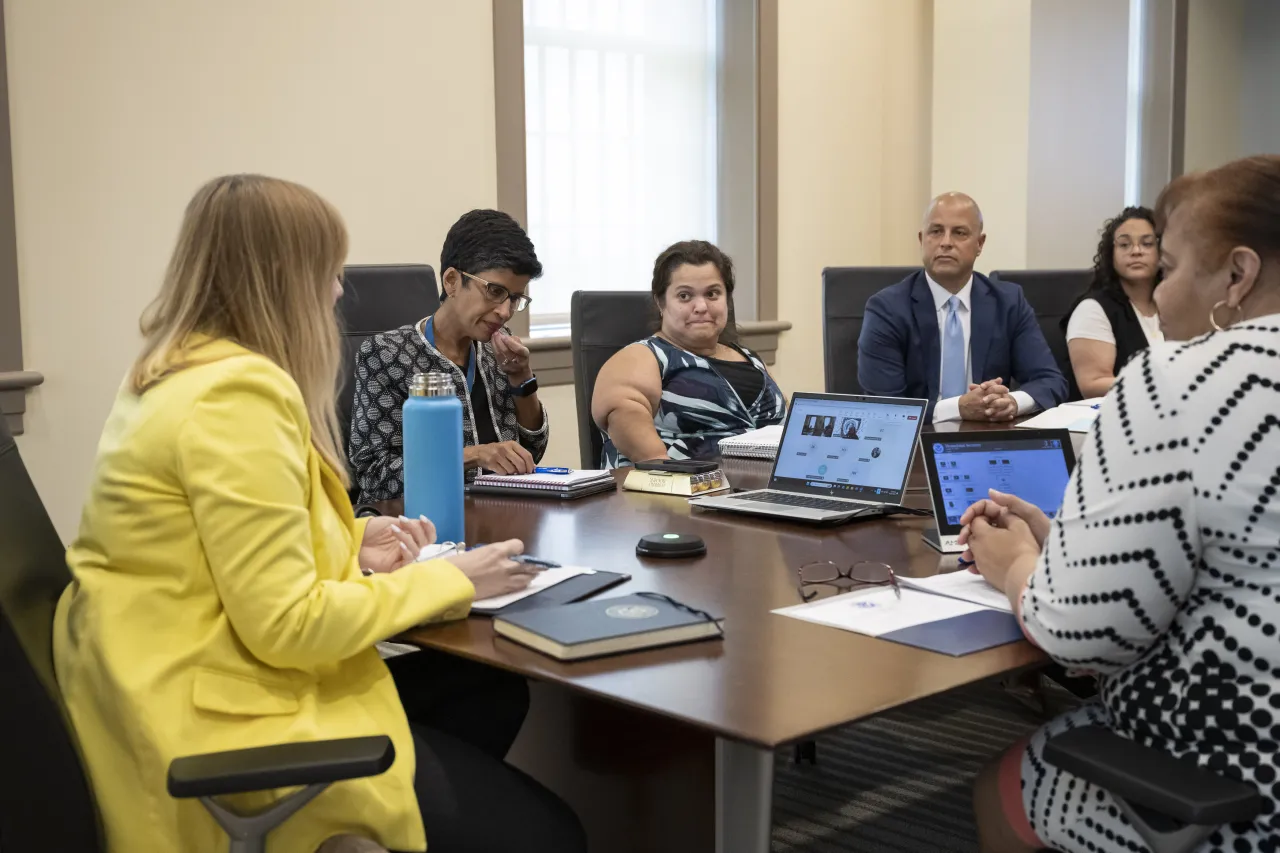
(429, 332)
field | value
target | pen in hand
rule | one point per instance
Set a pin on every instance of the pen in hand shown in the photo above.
(540, 565)
(535, 562)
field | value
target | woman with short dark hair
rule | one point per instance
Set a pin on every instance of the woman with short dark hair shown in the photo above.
(1115, 318)
(486, 265)
(678, 392)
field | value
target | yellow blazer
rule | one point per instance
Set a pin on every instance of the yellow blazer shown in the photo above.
(217, 604)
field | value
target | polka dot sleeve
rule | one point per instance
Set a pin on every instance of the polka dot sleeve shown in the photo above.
(1120, 560)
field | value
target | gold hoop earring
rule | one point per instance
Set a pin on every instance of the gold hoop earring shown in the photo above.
(1213, 315)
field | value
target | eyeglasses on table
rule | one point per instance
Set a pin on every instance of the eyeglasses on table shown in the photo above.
(824, 578)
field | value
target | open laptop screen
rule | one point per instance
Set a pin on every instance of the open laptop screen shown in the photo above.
(1033, 464)
(848, 446)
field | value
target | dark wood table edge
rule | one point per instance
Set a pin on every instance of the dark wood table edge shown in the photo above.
(717, 731)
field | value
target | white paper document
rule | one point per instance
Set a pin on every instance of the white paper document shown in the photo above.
(1067, 416)
(879, 611)
(542, 580)
(963, 585)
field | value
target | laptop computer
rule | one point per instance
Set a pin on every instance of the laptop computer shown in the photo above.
(1034, 464)
(842, 456)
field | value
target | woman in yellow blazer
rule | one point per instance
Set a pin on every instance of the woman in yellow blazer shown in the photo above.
(218, 599)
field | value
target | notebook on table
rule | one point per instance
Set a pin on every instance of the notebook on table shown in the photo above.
(575, 484)
(938, 623)
(756, 444)
(551, 588)
(607, 626)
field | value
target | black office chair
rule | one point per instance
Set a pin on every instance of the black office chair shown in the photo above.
(601, 322)
(845, 291)
(377, 298)
(45, 799)
(1171, 802)
(1051, 293)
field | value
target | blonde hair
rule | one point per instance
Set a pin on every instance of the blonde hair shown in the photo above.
(255, 263)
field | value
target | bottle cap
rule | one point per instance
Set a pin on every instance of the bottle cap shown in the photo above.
(434, 384)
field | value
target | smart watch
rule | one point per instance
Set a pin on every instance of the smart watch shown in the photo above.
(525, 388)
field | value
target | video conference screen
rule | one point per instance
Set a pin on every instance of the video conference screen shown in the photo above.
(855, 447)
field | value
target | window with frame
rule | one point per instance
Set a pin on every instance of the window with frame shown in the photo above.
(626, 107)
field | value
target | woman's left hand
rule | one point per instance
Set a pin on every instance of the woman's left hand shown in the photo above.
(513, 357)
(390, 543)
(1002, 548)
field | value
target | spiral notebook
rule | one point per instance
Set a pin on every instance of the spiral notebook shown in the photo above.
(575, 483)
(757, 444)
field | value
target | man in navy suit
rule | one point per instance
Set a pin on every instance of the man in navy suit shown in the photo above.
(953, 336)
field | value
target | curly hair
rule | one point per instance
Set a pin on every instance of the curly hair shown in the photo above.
(1105, 276)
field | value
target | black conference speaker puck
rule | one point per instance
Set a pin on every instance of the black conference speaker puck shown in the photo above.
(671, 545)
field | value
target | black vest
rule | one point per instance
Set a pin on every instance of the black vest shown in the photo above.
(1131, 339)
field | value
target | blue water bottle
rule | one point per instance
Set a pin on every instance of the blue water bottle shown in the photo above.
(432, 429)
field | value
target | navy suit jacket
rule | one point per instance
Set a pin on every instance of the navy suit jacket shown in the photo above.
(899, 351)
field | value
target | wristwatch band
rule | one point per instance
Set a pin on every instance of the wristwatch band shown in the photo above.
(526, 388)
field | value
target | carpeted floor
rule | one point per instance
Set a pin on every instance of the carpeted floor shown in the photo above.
(899, 783)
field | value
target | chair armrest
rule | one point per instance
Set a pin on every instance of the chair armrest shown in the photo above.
(283, 765)
(1173, 787)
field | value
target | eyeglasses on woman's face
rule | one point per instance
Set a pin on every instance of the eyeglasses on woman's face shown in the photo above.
(498, 294)
(1145, 244)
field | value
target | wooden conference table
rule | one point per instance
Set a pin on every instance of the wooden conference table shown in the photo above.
(671, 748)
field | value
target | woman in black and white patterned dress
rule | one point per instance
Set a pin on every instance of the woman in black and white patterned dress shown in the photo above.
(1162, 571)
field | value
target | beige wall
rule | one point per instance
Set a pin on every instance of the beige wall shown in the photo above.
(121, 109)
(981, 103)
(1077, 126)
(562, 411)
(1259, 101)
(1215, 40)
(853, 122)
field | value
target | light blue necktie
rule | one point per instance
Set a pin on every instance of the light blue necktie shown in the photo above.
(954, 381)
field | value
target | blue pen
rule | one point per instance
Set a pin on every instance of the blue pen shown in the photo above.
(553, 470)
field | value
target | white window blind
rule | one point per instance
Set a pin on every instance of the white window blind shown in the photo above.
(620, 117)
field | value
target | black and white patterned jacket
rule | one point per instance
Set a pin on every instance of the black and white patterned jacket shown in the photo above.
(385, 365)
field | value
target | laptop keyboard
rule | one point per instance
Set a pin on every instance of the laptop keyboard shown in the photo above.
(806, 501)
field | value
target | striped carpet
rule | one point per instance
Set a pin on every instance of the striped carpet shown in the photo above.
(899, 783)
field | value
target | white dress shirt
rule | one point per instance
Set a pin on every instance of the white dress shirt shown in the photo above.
(949, 409)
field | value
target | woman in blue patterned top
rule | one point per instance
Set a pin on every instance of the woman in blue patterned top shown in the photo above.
(677, 393)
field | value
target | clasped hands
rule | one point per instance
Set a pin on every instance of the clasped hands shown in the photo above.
(392, 543)
(988, 401)
(1003, 535)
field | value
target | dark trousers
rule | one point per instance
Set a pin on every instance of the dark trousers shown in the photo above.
(464, 717)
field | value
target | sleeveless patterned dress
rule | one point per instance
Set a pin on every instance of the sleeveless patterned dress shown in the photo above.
(699, 406)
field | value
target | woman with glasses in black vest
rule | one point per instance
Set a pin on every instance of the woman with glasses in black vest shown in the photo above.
(1115, 318)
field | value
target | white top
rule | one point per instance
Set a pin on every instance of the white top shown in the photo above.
(949, 409)
(1089, 321)
(1160, 572)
